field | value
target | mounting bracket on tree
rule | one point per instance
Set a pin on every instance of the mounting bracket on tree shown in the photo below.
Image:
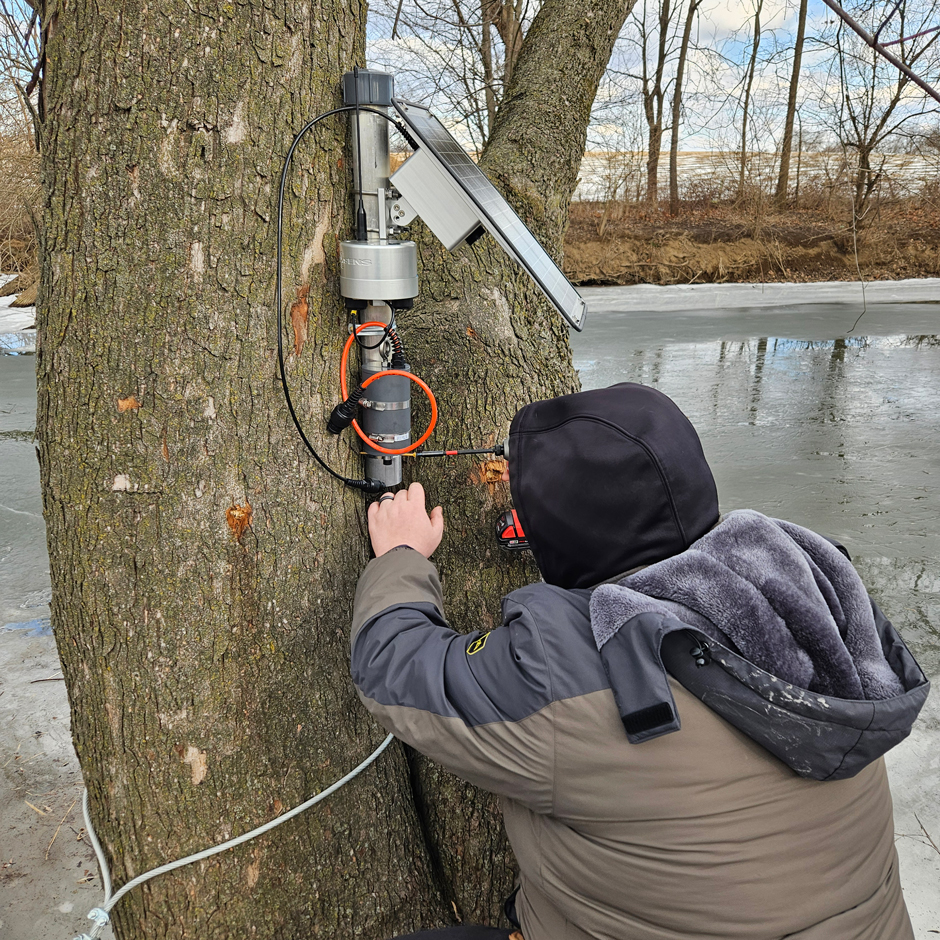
(442, 185)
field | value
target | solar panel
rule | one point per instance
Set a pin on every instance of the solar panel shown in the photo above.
(496, 215)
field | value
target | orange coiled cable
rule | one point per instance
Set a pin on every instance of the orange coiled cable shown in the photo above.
(408, 375)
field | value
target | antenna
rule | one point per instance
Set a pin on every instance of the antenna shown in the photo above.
(361, 235)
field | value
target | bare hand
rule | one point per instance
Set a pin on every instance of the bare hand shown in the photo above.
(404, 521)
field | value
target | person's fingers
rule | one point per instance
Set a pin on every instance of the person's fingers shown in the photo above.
(376, 506)
(437, 520)
(415, 492)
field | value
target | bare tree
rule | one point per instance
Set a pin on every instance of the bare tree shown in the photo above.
(654, 95)
(872, 100)
(19, 53)
(458, 54)
(748, 86)
(691, 13)
(655, 40)
(19, 161)
(508, 18)
(786, 146)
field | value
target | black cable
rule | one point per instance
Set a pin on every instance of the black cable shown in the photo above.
(368, 485)
(361, 230)
(459, 452)
(375, 345)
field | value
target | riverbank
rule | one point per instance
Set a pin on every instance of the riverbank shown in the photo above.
(49, 877)
(712, 242)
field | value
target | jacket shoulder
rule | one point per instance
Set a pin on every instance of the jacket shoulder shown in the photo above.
(562, 620)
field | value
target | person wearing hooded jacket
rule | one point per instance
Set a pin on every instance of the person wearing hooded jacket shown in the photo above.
(684, 721)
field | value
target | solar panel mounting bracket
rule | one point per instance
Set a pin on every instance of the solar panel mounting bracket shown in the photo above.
(456, 201)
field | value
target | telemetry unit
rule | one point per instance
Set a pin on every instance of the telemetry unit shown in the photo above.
(440, 184)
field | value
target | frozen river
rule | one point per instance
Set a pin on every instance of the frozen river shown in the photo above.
(800, 417)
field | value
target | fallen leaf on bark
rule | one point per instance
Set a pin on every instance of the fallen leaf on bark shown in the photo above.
(238, 519)
(298, 318)
(128, 404)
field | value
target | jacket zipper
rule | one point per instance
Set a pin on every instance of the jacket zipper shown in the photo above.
(701, 652)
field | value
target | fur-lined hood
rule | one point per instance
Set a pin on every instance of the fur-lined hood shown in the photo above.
(770, 626)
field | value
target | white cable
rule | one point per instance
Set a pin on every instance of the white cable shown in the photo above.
(96, 845)
(100, 914)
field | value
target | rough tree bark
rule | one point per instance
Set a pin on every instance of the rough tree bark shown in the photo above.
(203, 567)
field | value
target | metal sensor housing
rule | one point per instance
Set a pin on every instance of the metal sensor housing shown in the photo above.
(380, 271)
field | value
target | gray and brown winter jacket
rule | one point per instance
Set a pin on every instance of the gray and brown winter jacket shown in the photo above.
(698, 832)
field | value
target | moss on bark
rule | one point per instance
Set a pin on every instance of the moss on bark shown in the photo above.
(203, 567)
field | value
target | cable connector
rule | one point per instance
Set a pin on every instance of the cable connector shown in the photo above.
(101, 918)
(344, 413)
(362, 233)
(368, 485)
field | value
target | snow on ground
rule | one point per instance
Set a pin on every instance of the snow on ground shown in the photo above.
(17, 326)
(710, 297)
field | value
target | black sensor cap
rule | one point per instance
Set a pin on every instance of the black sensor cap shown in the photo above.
(375, 88)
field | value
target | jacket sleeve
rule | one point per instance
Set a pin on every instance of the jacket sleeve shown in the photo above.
(479, 704)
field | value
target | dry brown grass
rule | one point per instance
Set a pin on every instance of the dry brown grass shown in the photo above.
(712, 239)
(19, 203)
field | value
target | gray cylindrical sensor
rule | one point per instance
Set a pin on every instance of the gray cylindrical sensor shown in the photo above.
(379, 271)
(385, 411)
(368, 145)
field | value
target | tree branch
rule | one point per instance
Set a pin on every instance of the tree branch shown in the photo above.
(535, 149)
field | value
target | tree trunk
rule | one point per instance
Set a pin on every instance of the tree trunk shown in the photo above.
(506, 16)
(677, 107)
(654, 95)
(799, 165)
(867, 178)
(749, 82)
(654, 148)
(203, 566)
(489, 75)
(783, 176)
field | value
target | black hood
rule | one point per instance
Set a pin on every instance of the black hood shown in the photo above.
(606, 480)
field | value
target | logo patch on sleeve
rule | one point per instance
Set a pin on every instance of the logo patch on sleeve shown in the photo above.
(477, 644)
